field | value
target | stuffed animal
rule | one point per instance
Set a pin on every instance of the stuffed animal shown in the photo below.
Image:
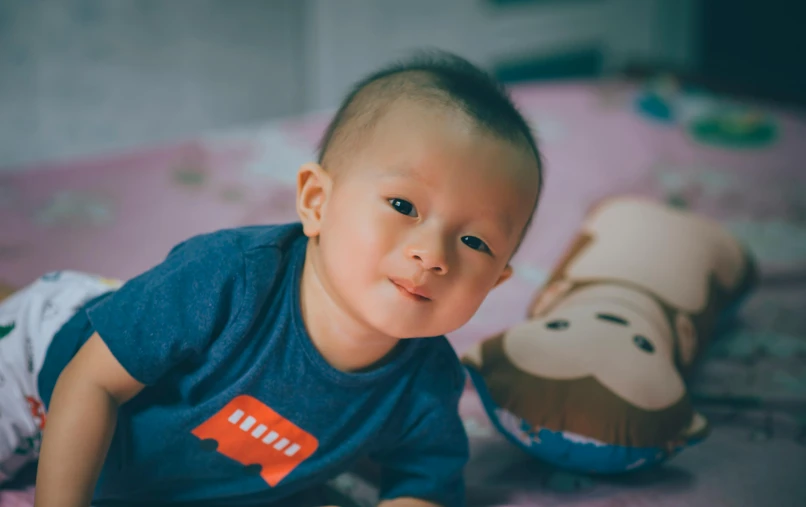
(593, 380)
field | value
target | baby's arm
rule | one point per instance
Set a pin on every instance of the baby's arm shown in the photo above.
(153, 323)
(80, 425)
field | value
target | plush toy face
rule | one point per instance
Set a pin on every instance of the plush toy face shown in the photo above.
(598, 364)
(593, 380)
(617, 336)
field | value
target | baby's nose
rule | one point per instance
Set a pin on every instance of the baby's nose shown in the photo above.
(431, 263)
(430, 254)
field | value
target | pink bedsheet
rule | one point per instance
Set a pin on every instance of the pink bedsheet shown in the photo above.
(119, 215)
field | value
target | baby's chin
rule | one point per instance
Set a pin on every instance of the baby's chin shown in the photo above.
(408, 330)
(402, 319)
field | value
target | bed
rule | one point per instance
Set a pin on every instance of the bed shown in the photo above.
(118, 215)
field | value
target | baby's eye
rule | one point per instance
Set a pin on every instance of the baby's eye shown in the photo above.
(404, 207)
(475, 243)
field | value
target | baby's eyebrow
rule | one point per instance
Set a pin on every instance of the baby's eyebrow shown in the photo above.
(506, 223)
(401, 173)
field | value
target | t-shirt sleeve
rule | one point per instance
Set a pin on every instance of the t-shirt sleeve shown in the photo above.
(428, 460)
(174, 310)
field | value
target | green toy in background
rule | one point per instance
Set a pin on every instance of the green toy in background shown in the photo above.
(708, 118)
(734, 128)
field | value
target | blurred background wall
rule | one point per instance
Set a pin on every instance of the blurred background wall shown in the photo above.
(79, 77)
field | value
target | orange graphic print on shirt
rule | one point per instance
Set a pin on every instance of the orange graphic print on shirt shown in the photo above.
(37, 409)
(259, 438)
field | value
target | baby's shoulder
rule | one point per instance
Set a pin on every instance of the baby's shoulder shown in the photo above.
(246, 239)
(240, 250)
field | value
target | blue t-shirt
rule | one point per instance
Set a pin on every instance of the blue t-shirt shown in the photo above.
(239, 404)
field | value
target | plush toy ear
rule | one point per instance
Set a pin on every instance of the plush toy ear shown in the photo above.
(548, 297)
(687, 342)
(696, 430)
(694, 433)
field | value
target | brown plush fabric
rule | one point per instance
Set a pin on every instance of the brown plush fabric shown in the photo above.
(582, 406)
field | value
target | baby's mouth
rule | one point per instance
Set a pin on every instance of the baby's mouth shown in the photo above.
(409, 290)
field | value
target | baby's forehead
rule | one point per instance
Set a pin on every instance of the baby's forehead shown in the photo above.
(431, 145)
(396, 129)
(412, 115)
(417, 142)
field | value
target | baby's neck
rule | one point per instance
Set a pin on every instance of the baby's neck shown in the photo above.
(343, 341)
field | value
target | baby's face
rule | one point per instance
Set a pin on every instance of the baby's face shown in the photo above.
(422, 220)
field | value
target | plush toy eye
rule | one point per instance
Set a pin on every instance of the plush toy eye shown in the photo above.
(558, 325)
(643, 344)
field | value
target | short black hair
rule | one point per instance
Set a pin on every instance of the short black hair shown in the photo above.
(435, 76)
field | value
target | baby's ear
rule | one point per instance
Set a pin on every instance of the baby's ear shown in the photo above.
(505, 275)
(313, 188)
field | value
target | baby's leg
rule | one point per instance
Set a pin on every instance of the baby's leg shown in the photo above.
(29, 319)
(18, 431)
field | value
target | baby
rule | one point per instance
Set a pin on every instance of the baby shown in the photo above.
(259, 362)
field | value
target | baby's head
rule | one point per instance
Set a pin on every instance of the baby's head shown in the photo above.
(426, 183)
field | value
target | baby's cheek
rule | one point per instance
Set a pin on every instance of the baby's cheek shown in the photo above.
(466, 301)
(369, 238)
